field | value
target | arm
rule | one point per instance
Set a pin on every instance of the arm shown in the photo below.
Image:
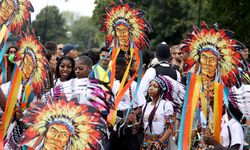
(2, 100)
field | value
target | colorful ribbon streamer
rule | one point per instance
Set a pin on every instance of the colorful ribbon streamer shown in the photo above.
(11, 102)
(218, 106)
(190, 103)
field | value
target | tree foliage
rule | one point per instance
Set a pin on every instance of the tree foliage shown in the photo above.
(171, 19)
(83, 33)
(49, 25)
(231, 14)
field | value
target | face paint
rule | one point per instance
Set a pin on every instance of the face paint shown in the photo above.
(81, 70)
(28, 67)
(208, 63)
(56, 137)
(122, 33)
(7, 9)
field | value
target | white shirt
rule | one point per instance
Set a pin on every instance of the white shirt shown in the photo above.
(149, 75)
(163, 111)
(237, 135)
(125, 100)
(73, 88)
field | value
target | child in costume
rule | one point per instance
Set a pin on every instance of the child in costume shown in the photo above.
(167, 95)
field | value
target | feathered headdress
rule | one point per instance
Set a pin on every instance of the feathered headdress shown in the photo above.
(172, 91)
(219, 42)
(130, 17)
(87, 91)
(240, 99)
(32, 62)
(85, 125)
(14, 13)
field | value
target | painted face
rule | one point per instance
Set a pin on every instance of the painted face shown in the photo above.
(53, 62)
(154, 89)
(208, 63)
(122, 33)
(28, 67)
(65, 69)
(245, 53)
(7, 9)
(82, 70)
(104, 62)
(56, 137)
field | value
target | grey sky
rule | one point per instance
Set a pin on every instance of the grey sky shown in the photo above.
(82, 7)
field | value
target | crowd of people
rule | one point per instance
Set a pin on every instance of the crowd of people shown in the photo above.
(154, 120)
(194, 95)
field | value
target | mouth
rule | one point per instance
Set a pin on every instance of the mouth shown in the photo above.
(64, 74)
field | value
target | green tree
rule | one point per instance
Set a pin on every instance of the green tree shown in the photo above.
(233, 15)
(170, 19)
(50, 25)
(83, 33)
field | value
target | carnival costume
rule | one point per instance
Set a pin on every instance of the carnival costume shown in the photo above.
(170, 102)
(125, 27)
(212, 68)
(85, 124)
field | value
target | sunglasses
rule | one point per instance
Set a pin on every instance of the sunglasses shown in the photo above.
(180, 53)
(60, 48)
(12, 52)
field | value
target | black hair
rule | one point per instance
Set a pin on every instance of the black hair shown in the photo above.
(121, 62)
(12, 46)
(104, 49)
(72, 74)
(93, 55)
(51, 47)
(86, 60)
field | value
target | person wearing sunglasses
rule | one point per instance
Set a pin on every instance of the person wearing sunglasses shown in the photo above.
(59, 51)
(176, 56)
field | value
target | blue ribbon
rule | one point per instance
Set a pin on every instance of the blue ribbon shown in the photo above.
(183, 114)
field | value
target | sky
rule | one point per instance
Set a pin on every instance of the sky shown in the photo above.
(82, 7)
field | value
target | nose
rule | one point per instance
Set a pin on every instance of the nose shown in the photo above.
(77, 70)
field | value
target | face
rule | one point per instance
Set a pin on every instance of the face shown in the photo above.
(104, 62)
(245, 53)
(154, 89)
(12, 50)
(82, 70)
(133, 67)
(73, 54)
(28, 67)
(119, 72)
(122, 33)
(177, 55)
(65, 69)
(53, 62)
(7, 9)
(56, 137)
(208, 63)
(59, 50)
